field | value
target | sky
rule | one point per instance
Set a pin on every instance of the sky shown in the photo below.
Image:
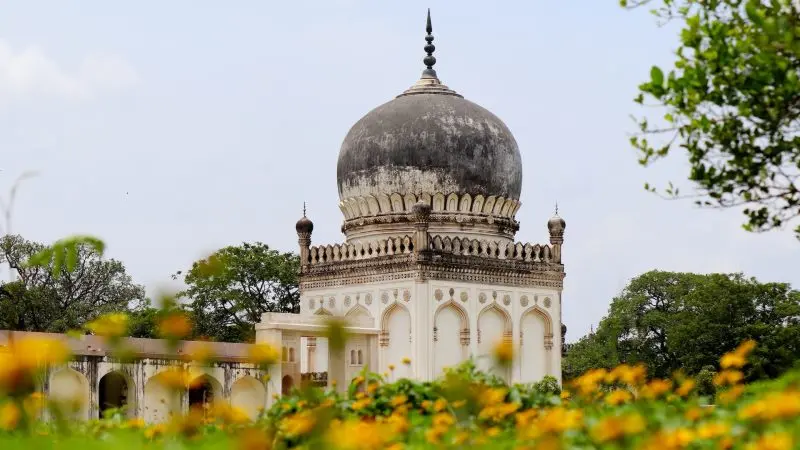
(172, 129)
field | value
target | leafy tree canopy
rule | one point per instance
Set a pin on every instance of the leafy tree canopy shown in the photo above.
(732, 102)
(672, 321)
(229, 290)
(66, 286)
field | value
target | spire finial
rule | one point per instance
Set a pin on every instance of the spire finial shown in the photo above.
(304, 209)
(429, 60)
(556, 208)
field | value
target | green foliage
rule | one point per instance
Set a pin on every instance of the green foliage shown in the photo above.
(732, 102)
(61, 287)
(672, 321)
(229, 290)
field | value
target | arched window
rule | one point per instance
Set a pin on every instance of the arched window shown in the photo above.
(291, 354)
(352, 357)
(360, 358)
(284, 354)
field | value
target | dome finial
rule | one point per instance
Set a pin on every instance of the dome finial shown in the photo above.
(556, 208)
(429, 60)
(304, 209)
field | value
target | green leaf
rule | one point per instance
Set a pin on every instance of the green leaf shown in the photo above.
(656, 76)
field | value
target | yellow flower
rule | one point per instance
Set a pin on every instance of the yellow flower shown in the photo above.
(617, 427)
(155, 431)
(109, 325)
(263, 354)
(406, 361)
(24, 359)
(728, 378)
(730, 395)
(201, 352)
(9, 416)
(439, 405)
(298, 424)
(588, 383)
(565, 394)
(254, 439)
(685, 388)
(779, 405)
(504, 353)
(493, 396)
(398, 400)
(443, 420)
(359, 435)
(137, 423)
(656, 388)
(358, 405)
(618, 397)
(552, 421)
(732, 361)
(774, 441)
(712, 430)
(391, 366)
(630, 375)
(175, 325)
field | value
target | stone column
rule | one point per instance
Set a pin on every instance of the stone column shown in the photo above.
(422, 215)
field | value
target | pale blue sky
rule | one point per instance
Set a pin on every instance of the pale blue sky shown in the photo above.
(173, 128)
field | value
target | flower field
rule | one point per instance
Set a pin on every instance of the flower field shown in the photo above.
(613, 409)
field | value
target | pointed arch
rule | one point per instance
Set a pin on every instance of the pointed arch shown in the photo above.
(536, 343)
(358, 310)
(460, 311)
(322, 311)
(395, 339)
(70, 391)
(388, 312)
(494, 306)
(548, 322)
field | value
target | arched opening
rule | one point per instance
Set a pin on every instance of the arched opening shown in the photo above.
(352, 357)
(286, 385)
(203, 391)
(160, 400)
(360, 358)
(114, 392)
(450, 326)
(291, 354)
(396, 340)
(284, 354)
(249, 395)
(69, 390)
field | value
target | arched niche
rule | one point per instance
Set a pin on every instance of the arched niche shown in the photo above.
(70, 392)
(322, 311)
(249, 395)
(161, 401)
(536, 341)
(494, 327)
(451, 336)
(358, 312)
(204, 391)
(287, 383)
(116, 390)
(395, 340)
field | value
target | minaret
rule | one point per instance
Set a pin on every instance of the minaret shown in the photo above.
(556, 226)
(304, 229)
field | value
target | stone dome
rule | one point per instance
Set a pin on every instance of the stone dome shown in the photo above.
(429, 144)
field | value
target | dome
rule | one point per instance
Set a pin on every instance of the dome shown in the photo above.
(429, 142)
(430, 145)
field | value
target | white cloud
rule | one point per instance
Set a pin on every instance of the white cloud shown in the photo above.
(30, 72)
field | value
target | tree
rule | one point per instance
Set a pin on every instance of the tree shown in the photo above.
(229, 290)
(672, 321)
(57, 297)
(732, 102)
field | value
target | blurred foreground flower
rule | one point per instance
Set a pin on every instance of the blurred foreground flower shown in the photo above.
(174, 326)
(109, 325)
(504, 353)
(23, 361)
